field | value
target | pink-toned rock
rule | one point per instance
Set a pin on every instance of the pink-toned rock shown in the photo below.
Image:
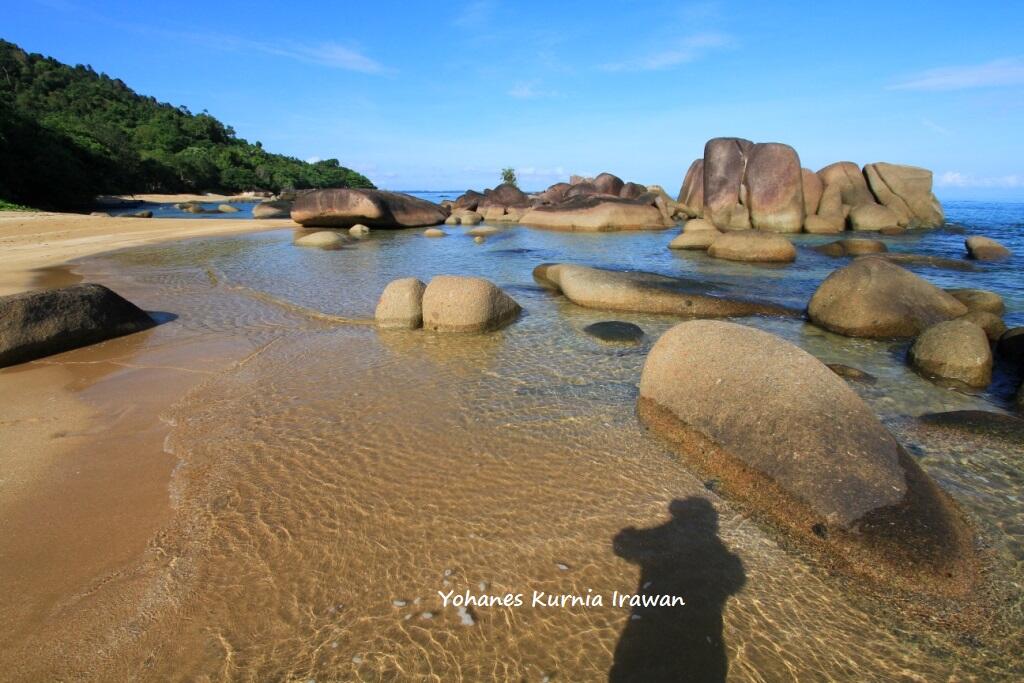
(598, 214)
(775, 188)
(691, 194)
(846, 175)
(725, 163)
(813, 187)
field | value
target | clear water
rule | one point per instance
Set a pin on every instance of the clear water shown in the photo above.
(334, 482)
(170, 210)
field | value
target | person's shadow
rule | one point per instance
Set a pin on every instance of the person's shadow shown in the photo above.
(682, 557)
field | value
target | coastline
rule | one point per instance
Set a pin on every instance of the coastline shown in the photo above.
(31, 241)
(84, 464)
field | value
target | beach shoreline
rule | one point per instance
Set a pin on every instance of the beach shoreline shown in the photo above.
(35, 240)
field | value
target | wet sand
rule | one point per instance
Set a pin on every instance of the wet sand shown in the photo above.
(31, 240)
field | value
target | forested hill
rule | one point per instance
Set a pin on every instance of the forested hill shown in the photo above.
(68, 134)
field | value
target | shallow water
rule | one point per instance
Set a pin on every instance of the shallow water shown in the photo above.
(333, 483)
(171, 210)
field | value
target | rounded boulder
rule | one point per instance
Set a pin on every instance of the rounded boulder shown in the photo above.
(956, 350)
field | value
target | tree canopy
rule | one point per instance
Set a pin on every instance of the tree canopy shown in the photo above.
(68, 134)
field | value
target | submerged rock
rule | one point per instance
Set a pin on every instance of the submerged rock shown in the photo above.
(227, 208)
(321, 239)
(979, 422)
(615, 331)
(854, 246)
(466, 304)
(345, 207)
(793, 443)
(42, 323)
(359, 230)
(644, 293)
(401, 304)
(985, 249)
(434, 232)
(483, 231)
(956, 350)
(752, 246)
(849, 372)
(929, 261)
(874, 298)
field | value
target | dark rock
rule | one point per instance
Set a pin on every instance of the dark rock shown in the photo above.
(615, 331)
(1011, 345)
(851, 373)
(42, 323)
(979, 422)
(343, 208)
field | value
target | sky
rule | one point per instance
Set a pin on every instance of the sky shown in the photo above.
(442, 95)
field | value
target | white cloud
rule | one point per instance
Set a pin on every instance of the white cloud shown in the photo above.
(476, 15)
(957, 179)
(997, 73)
(688, 49)
(313, 160)
(934, 127)
(530, 91)
(330, 55)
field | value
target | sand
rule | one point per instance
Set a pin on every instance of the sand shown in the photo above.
(33, 241)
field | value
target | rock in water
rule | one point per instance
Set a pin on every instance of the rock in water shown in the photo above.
(37, 324)
(401, 304)
(854, 246)
(979, 300)
(466, 304)
(986, 249)
(615, 331)
(320, 239)
(907, 191)
(872, 217)
(227, 208)
(874, 298)
(752, 246)
(359, 230)
(273, 209)
(699, 239)
(848, 181)
(789, 440)
(644, 293)
(343, 208)
(691, 194)
(990, 322)
(725, 160)
(848, 372)
(956, 350)
(774, 184)
(598, 214)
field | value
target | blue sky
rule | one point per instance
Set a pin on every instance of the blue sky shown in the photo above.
(442, 95)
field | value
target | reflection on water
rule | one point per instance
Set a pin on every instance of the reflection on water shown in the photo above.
(332, 485)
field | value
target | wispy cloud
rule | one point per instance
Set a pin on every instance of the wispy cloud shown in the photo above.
(475, 14)
(688, 49)
(957, 179)
(934, 127)
(530, 91)
(997, 73)
(331, 55)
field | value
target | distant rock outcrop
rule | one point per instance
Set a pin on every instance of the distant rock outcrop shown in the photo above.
(345, 207)
(739, 184)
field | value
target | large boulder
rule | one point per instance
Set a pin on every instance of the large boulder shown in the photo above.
(792, 443)
(401, 304)
(584, 188)
(753, 246)
(691, 194)
(644, 293)
(504, 196)
(345, 207)
(955, 350)
(454, 303)
(872, 217)
(812, 187)
(633, 190)
(607, 183)
(598, 214)
(985, 249)
(554, 194)
(41, 323)
(272, 209)
(470, 200)
(907, 191)
(725, 163)
(874, 298)
(826, 224)
(846, 176)
(774, 188)
(694, 239)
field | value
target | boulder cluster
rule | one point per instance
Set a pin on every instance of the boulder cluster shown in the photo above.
(599, 204)
(742, 185)
(449, 303)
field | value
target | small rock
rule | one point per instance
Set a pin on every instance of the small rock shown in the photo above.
(615, 331)
(562, 567)
(979, 300)
(227, 208)
(401, 304)
(434, 232)
(954, 349)
(479, 239)
(359, 230)
(399, 603)
(985, 248)
(322, 239)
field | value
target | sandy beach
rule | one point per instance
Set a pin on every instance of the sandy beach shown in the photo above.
(36, 240)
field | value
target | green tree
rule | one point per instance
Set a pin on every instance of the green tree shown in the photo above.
(508, 176)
